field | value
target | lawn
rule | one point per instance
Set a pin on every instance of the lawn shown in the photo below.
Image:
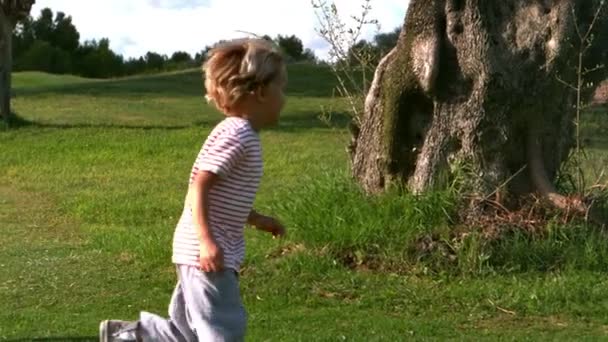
(93, 182)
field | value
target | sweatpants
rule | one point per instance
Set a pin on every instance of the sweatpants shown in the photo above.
(204, 307)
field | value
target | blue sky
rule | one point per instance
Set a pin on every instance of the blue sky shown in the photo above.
(137, 26)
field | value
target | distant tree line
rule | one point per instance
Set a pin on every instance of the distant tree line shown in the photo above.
(51, 43)
(293, 48)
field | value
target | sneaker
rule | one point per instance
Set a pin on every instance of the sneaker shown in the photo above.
(117, 331)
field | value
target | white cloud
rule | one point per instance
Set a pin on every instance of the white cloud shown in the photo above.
(137, 26)
(178, 3)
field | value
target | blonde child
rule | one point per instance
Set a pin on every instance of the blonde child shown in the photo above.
(245, 80)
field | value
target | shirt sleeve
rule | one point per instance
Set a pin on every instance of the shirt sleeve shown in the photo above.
(223, 154)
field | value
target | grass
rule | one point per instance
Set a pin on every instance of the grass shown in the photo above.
(92, 184)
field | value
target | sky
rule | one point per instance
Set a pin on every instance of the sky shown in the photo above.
(135, 27)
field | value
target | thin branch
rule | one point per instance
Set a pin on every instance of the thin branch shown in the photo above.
(341, 40)
(498, 206)
(510, 312)
(578, 32)
(595, 17)
(585, 106)
(599, 67)
(504, 183)
(566, 83)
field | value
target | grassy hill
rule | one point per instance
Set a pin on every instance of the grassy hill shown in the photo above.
(93, 182)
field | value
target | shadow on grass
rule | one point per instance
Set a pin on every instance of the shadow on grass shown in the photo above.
(17, 122)
(295, 121)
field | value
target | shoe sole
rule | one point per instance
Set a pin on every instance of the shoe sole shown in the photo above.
(103, 331)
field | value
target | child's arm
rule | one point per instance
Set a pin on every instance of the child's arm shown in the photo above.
(211, 256)
(266, 223)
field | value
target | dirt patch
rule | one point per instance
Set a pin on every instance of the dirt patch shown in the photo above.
(33, 217)
(507, 321)
(288, 249)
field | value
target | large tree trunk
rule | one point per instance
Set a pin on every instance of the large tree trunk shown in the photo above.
(11, 11)
(6, 29)
(472, 85)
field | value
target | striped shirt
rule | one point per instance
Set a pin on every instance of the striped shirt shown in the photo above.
(233, 152)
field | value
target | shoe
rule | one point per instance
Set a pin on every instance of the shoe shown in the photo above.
(117, 331)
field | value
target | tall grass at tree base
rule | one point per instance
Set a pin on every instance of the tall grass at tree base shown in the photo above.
(402, 232)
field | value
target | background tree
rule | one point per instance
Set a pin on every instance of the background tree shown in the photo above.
(11, 11)
(46, 44)
(180, 57)
(309, 55)
(23, 37)
(135, 66)
(43, 25)
(363, 52)
(474, 83)
(370, 52)
(51, 43)
(154, 61)
(292, 46)
(96, 59)
(180, 60)
(41, 55)
(386, 41)
(64, 34)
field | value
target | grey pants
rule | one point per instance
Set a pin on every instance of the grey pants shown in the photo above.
(204, 307)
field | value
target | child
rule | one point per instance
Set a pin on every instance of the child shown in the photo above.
(245, 80)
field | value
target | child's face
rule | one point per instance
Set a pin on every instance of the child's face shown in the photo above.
(275, 100)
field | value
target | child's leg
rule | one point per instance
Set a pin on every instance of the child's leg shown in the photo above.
(213, 302)
(175, 329)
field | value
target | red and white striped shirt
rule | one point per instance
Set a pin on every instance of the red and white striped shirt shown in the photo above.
(232, 151)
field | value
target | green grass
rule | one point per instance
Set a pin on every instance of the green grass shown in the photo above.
(389, 233)
(91, 189)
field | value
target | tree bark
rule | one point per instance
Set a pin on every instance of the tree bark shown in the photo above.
(6, 29)
(472, 87)
(11, 11)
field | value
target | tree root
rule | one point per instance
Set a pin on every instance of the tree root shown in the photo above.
(575, 204)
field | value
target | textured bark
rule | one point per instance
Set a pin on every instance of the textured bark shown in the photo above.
(473, 83)
(10, 12)
(6, 28)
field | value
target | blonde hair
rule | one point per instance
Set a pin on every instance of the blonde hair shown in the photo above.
(238, 67)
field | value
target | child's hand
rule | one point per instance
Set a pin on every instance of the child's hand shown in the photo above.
(211, 256)
(271, 225)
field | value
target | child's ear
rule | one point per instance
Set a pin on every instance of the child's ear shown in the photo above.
(260, 94)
